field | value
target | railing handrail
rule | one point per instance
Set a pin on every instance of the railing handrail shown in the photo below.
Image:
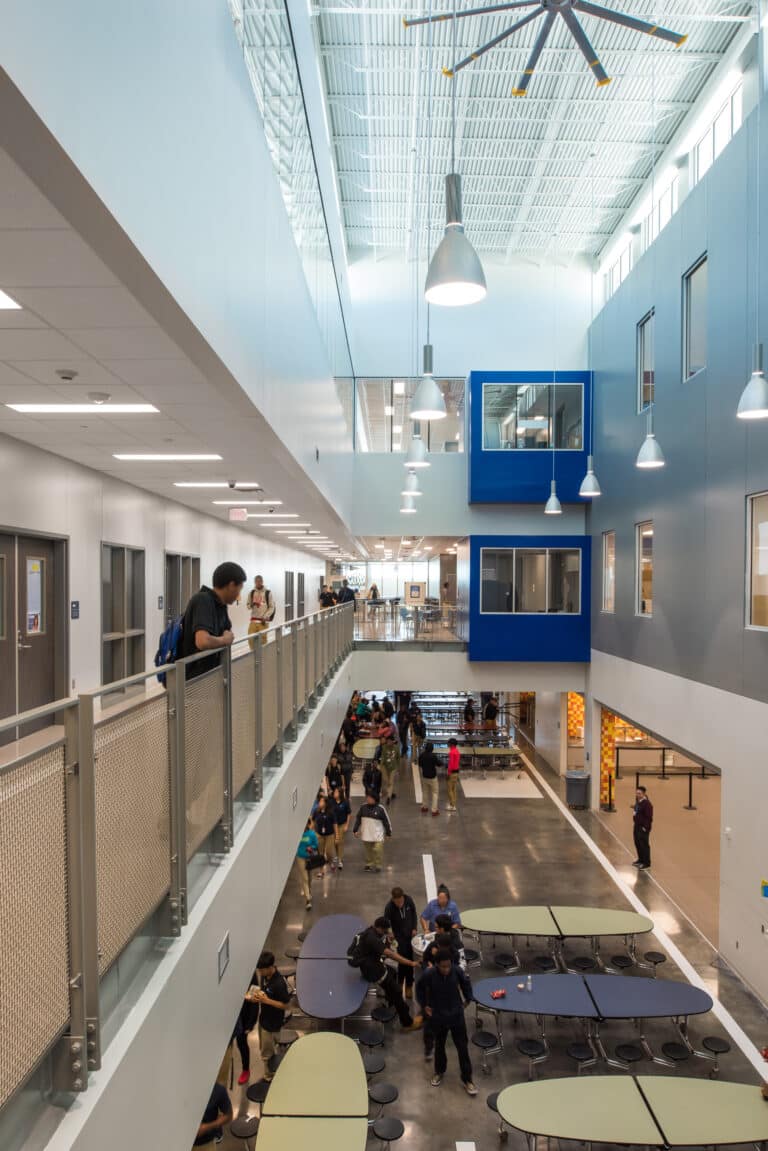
(37, 713)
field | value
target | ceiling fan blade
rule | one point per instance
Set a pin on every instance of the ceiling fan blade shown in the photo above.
(629, 22)
(442, 16)
(492, 43)
(587, 51)
(536, 51)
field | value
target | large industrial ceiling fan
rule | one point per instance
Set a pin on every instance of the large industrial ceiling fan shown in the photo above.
(550, 10)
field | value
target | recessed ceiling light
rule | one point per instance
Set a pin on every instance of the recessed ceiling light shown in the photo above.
(7, 304)
(277, 527)
(428, 549)
(162, 457)
(379, 545)
(83, 409)
(247, 503)
(389, 410)
(398, 387)
(214, 484)
(397, 429)
(275, 515)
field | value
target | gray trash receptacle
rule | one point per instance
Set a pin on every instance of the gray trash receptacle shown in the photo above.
(577, 788)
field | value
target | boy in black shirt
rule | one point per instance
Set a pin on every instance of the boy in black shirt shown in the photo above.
(273, 998)
(206, 625)
(404, 920)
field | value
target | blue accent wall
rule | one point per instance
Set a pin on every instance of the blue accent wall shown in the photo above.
(556, 638)
(522, 476)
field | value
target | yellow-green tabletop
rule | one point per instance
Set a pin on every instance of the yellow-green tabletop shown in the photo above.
(365, 748)
(321, 1075)
(589, 921)
(510, 921)
(287, 1134)
(499, 752)
(590, 1109)
(699, 1112)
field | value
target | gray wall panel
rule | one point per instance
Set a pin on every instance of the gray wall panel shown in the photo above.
(698, 502)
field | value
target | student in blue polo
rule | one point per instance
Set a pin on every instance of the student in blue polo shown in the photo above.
(442, 905)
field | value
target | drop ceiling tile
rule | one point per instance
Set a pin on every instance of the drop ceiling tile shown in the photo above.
(90, 374)
(49, 258)
(35, 344)
(176, 398)
(104, 307)
(161, 372)
(26, 392)
(137, 343)
(21, 318)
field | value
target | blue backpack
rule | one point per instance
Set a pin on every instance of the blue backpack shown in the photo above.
(169, 646)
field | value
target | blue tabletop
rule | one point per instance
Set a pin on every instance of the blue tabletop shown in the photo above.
(329, 988)
(632, 997)
(331, 936)
(563, 995)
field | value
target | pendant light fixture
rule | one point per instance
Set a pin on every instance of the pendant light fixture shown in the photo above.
(590, 488)
(753, 402)
(553, 507)
(416, 456)
(411, 485)
(455, 276)
(650, 455)
(428, 402)
(408, 507)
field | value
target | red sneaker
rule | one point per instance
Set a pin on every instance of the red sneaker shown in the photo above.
(424, 810)
(244, 1077)
(435, 812)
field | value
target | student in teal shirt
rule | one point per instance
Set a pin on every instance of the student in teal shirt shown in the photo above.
(308, 845)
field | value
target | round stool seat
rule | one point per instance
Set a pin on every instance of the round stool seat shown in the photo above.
(388, 1129)
(715, 1045)
(655, 957)
(373, 1062)
(257, 1092)
(301, 936)
(383, 1013)
(629, 1053)
(623, 962)
(504, 960)
(544, 963)
(244, 1127)
(472, 956)
(531, 1048)
(369, 1037)
(382, 1093)
(677, 1052)
(580, 1052)
(292, 952)
(583, 964)
(492, 1100)
(286, 1037)
(484, 1039)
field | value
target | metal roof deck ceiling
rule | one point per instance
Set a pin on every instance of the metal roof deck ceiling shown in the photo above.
(530, 166)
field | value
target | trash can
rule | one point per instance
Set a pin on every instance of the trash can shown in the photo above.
(577, 788)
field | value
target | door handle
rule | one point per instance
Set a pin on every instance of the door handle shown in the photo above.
(21, 646)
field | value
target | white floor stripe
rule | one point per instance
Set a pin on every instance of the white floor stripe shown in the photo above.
(430, 882)
(416, 781)
(736, 1033)
(465, 1147)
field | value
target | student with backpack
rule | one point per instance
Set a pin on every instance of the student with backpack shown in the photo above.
(368, 951)
(261, 605)
(206, 625)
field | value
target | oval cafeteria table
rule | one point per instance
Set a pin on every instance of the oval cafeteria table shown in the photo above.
(318, 1098)
(326, 986)
(649, 1110)
(557, 924)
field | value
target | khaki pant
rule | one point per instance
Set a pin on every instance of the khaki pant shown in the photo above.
(326, 847)
(374, 853)
(453, 788)
(256, 625)
(429, 794)
(388, 780)
(305, 878)
(340, 834)
(266, 1049)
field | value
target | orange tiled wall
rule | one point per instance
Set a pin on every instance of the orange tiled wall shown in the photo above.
(607, 752)
(575, 716)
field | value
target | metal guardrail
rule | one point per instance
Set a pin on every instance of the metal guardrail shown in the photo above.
(101, 814)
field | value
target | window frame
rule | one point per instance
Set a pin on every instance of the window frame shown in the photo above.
(648, 318)
(640, 614)
(687, 280)
(748, 624)
(550, 419)
(608, 610)
(547, 567)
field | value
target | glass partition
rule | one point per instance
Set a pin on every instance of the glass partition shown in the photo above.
(757, 606)
(382, 423)
(530, 581)
(644, 575)
(535, 416)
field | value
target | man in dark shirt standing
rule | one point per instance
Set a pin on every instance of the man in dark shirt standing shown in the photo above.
(404, 920)
(206, 625)
(273, 997)
(215, 1117)
(440, 992)
(643, 821)
(373, 950)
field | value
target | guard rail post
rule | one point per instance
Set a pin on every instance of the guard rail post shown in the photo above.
(224, 832)
(690, 806)
(174, 913)
(258, 758)
(277, 751)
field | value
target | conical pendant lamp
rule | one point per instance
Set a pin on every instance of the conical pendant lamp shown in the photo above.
(650, 454)
(753, 404)
(553, 507)
(590, 488)
(428, 402)
(408, 507)
(411, 485)
(416, 456)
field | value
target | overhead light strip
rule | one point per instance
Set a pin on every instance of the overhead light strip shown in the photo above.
(164, 457)
(84, 409)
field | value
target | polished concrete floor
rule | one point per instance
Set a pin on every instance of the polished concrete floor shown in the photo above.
(502, 851)
(387, 628)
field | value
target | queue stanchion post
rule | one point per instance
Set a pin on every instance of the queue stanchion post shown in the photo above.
(690, 805)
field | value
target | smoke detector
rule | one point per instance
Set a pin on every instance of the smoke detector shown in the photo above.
(67, 374)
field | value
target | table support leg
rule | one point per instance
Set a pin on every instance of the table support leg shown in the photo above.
(648, 1049)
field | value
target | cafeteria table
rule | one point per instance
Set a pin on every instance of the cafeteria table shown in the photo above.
(595, 999)
(330, 937)
(329, 988)
(286, 1133)
(365, 748)
(647, 1111)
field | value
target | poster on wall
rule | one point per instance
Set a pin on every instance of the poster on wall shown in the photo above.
(415, 593)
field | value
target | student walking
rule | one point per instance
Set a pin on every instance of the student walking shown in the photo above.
(454, 765)
(307, 848)
(273, 997)
(429, 789)
(341, 817)
(246, 1021)
(373, 827)
(404, 920)
(325, 828)
(490, 714)
(372, 779)
(389, 761)
(643, 822)
(216, 1116)
(261, 605)
(443, 991)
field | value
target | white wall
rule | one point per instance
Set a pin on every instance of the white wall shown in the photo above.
(451, 671)
(728, 731)
(534, 317)
(551, 728)
(46, 494)
(442, 508)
